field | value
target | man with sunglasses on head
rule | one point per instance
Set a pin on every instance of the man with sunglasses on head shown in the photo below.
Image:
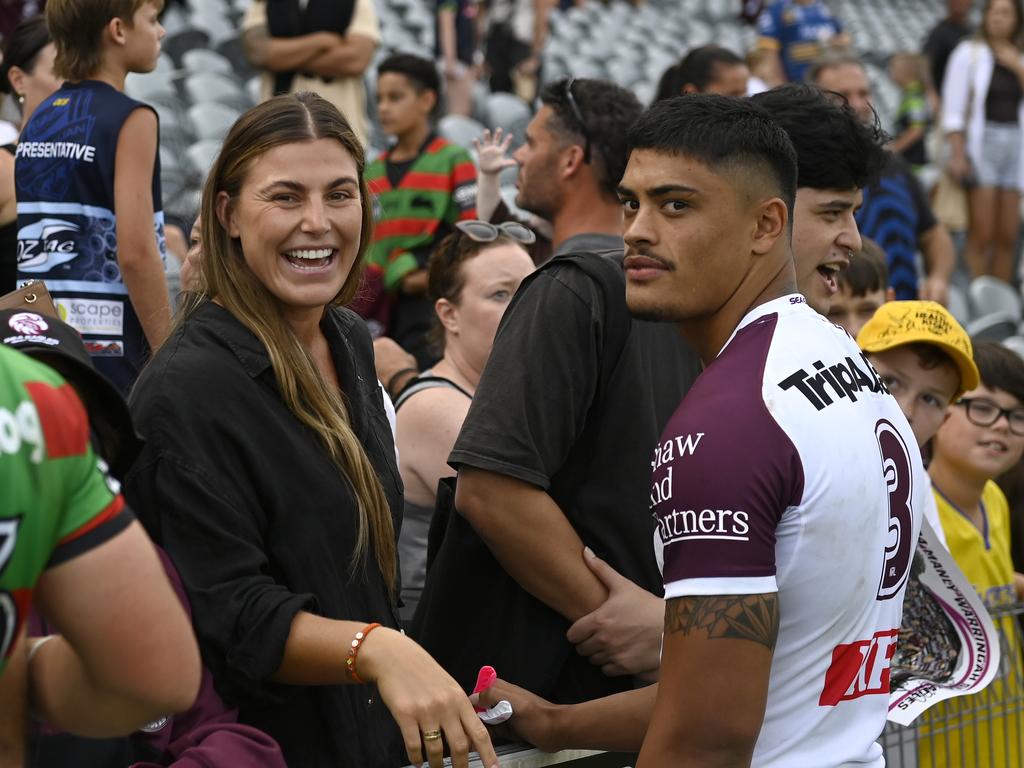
(554, 453)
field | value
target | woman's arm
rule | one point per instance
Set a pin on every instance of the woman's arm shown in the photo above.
(419, 694)
(428, 425)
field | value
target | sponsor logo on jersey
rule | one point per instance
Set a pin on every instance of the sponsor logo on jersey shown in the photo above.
(465, 195)
(675, 447)
(92, 316)
(827, 384)
(46, 243)
(859, 669)
(99, 348)
(717, 524)
(28, 323)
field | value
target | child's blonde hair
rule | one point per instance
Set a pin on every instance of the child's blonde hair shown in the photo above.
(77, 30)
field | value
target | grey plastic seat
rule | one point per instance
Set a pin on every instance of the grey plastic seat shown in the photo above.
(202, 155)
(232, 48)
(212, 121)
(504, 110)
(460, 130)
(185, 39)
(958, 305)
(990, 294)
(153, 86)
(205, 60)
(211, 87)
(1015, 343)
(995, 326)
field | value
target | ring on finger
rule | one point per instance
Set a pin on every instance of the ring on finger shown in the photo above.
(432, 735)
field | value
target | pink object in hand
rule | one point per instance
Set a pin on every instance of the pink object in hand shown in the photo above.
(484, 680)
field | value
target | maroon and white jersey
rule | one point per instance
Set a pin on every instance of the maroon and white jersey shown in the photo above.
(789, 468)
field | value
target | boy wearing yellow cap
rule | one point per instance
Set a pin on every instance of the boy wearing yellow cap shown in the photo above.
(977, 439)
(925, 358)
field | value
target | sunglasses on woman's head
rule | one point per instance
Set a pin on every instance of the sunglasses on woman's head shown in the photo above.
(485, 232)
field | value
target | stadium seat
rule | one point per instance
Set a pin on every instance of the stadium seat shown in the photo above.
(214, 88)
(212, 121)
(202, 154)
(504, 110)
(185, 39)
(989, 294)
(460, 130)
(205, 60)
(995, 326)
(1016, 343)
(958, 305)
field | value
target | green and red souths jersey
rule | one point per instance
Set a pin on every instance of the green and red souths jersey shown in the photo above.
(56, 500)
(437, 190)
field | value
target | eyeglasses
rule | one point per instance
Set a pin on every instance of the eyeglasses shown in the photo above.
(985, 413)
(485, 232)
(579, 119)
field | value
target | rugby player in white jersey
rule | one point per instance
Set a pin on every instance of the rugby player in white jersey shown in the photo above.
(787, 488)
(837, 155)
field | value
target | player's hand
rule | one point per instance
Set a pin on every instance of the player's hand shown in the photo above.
(423, 698)
(934, 289)
(492, 151)
(532, 718)
(623, 636)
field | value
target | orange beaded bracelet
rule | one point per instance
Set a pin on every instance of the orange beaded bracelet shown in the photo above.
(353, 651)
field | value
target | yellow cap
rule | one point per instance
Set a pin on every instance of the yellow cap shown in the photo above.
(896, 323)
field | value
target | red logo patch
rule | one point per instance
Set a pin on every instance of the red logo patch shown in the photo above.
(859, 669)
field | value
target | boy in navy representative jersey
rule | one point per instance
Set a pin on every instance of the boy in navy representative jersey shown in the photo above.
(87, 178)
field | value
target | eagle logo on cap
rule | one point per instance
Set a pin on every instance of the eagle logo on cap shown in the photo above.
(28, 324)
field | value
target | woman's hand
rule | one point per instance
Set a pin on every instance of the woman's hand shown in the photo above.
(491, 152)
(423, 699)
(959, 167)
(533, 718)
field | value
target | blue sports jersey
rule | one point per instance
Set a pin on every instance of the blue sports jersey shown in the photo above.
(798, 32)
(67, 236)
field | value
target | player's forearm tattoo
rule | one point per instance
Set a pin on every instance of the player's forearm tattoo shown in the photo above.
(746, 617)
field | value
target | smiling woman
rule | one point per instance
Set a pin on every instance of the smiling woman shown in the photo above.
(269, 473)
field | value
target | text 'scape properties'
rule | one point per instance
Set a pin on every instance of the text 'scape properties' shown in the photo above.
(948, 644)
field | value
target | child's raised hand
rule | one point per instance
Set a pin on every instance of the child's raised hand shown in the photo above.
(491, 150)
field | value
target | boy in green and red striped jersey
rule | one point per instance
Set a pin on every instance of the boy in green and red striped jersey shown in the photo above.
(423, 185)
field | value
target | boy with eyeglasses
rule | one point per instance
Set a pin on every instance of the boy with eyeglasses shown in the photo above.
(982, 438)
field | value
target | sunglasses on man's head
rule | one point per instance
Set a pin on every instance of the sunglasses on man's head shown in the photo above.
(486, 232)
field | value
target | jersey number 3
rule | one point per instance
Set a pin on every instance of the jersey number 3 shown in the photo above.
(899, 481)
(8, 608)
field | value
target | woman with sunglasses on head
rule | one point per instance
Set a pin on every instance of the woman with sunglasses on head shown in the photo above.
(269, 471)
(472, 276)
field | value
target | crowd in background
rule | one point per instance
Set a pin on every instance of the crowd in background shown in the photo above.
(320, 372)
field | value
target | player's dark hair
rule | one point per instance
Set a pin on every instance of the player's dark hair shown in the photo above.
(22, 47)
(607, 111)
(697, 68)
(868, 271)
(835, 150)
(421, 73)
(719, 132)
(1000, 368)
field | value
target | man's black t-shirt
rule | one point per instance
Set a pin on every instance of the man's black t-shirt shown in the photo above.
(572, 400)
(940, 44)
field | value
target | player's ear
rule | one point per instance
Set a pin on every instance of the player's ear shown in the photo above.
(772, 223)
